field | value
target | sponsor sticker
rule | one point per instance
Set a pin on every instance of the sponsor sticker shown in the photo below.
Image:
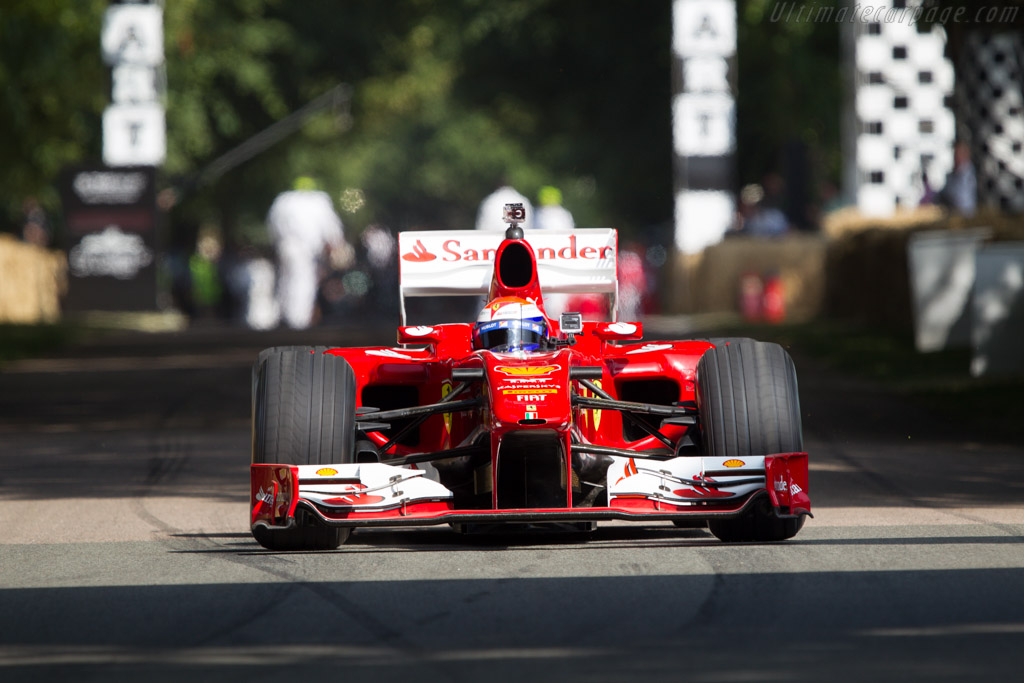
(539, 390)
(446, 388)
(629, 470)
(733, 463)
(327, 472)
(419, 254)
(647, 348)
(387, 353)
(591, 415)
(526, 370)
(355, 497)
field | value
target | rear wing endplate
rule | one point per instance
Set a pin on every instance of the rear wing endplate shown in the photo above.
(461, 262)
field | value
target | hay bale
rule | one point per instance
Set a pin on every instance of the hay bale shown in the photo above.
(710, 282)
(868, 277)
(32, 280)
(849, 220)
(855, 269)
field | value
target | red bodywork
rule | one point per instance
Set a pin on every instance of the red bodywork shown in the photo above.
(527, 397)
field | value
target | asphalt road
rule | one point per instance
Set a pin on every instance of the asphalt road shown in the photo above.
(125, 554)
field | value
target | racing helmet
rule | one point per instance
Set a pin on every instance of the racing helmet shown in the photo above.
(510, 324)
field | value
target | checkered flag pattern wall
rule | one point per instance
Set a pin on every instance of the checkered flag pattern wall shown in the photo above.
(905, 126)
(992, 83)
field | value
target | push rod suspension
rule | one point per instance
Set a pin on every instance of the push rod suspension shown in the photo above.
(627, 408)
(420, 413)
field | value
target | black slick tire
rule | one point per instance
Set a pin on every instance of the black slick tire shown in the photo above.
(303, 413)
(748, 402)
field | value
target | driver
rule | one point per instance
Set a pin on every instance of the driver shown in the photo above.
(510, 323)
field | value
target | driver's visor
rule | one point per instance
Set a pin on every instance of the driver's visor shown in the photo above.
(508, 335)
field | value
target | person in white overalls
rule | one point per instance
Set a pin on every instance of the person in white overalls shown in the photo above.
(551, 215)
(303, 225)
(489, 215)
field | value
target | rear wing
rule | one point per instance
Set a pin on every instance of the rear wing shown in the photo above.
(461, 262)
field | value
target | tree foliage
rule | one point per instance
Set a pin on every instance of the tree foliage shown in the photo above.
(451, 98)
(448, 99)
(53, 88)
(790, 90)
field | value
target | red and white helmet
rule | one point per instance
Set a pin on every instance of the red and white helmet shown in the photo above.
(510, 324)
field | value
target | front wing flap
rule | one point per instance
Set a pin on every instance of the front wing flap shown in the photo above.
(375, 494)
(703, 482)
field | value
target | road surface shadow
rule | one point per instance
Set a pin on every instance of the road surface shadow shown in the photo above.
(806, 626)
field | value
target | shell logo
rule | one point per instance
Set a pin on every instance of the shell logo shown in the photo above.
(327, 472)
(526, 370)
(733, 463)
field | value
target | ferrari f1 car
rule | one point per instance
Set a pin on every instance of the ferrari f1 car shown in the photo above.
(521, 420)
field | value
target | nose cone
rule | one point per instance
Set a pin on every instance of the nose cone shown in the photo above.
(529, 391)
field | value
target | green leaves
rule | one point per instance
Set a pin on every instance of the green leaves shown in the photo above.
(448, 99)
(50, 97)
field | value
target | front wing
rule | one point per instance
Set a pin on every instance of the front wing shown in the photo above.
(375, 494)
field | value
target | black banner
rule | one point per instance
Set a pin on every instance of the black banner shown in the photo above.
(111, 238)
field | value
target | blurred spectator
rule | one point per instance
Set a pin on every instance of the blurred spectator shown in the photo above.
(491, 212)
(250, 278)
(381, 256)
(379, 245)
(832, 198)
(35, 227)
(303, 226)
(552, 215)
(593, 307)
(632, 282)
(928, 193)
(203, 268)
(961, 191)
(756, 217)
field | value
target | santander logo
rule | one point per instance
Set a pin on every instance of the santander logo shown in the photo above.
(419, 254)
(453, 250)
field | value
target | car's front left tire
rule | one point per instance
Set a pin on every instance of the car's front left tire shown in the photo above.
(749, 405)
(303, 414)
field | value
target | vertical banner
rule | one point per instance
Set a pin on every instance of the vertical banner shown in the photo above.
(904, 128)
(110, 209)
(132, 43)
(703, 120)
(111, 238)
(992, 68)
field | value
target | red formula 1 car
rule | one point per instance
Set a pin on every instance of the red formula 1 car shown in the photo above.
(520, 420)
